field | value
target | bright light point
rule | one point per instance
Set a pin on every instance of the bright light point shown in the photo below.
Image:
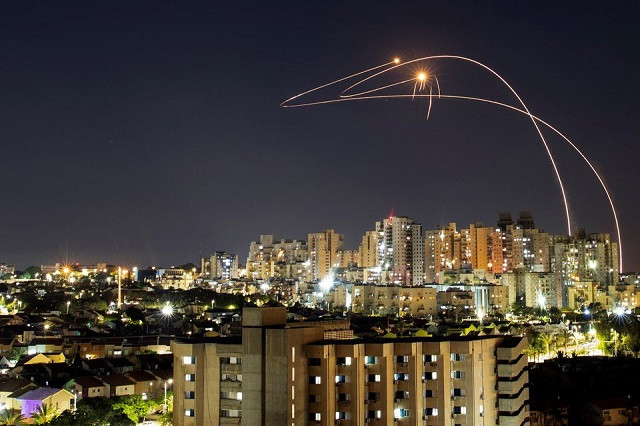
(619, 310)
(587, 312)
(167, 310)
(542, 301)
(422, 76)
(396, 60)
(326, 283)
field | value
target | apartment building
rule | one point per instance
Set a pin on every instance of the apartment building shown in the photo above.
(372, 299)
(418, 381)
(422, 301)
(283, 373)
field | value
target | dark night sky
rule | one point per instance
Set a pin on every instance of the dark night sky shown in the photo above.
(148, 132)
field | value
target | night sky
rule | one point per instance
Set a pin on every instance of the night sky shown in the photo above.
(149, 132)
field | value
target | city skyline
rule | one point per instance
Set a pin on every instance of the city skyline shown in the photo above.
(149, 140)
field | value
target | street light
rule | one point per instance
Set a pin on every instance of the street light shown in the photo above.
(166, 405)
(167, 310)
(68, 304)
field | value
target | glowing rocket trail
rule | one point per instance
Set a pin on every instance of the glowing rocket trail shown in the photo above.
(395, 61)
(420, 82)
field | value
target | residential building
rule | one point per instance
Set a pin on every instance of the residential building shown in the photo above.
(400, 251)
(58, 400)
(220, 265)
(283, 373)
(323, 248)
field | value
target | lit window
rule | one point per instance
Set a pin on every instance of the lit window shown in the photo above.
(189, 412)
(373, 378)
(459, 410)
(190, 377)
(430, 411)
(189, 360)
(400, 413)
(457, 374)
(315, 380)
(429, 358)
(429, 375)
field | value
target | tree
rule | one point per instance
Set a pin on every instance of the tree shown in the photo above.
(44, 414)
(31, 272)
(93, 412)
(188, 267)
(133, 406)
(537, 344)
(166, 419)
(9, 417)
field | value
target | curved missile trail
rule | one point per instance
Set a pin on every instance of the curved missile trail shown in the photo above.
(420, 82)
(422, 79)
(395, 61)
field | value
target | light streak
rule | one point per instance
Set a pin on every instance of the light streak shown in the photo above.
(430, 102)
(419, 84)
(395, 61)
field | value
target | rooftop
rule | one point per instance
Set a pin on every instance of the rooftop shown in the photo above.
(39, 394)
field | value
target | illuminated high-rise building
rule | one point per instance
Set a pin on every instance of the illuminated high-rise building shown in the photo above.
(400, 250)
(368, 250)
(282, 259)
(221, 265)
(323, 250)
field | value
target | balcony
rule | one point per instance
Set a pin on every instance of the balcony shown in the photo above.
(511, 388)
(512, 405)
(512, 370)
(460, 401)
(231, 368)
(228, 385)
(511, 353)
(230, 404)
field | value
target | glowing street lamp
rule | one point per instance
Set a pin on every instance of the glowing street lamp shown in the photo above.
(542, 301)
(167, 310)
(68, 304)
(166, 405)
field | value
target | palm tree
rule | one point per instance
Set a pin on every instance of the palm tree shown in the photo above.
(44, 414)
(9, 417)
(547, 340)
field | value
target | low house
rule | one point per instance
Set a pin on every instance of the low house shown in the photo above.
(57, 399)
(96, 366)
(9, 386)
(90, 387)
(119, 365)
(146, 383)
(617, 411)
(40, 345)
(42, 358)
(152, 361)
(6, 364)
(118, 385)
